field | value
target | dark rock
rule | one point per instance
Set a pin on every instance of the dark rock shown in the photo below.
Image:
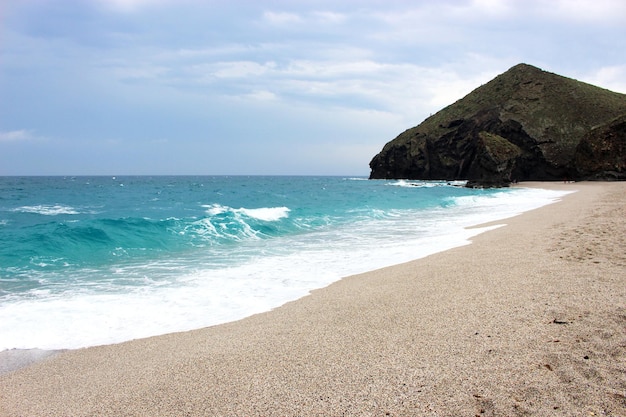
(526, 124)
(601, 153)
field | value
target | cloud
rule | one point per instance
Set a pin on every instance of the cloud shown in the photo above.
(329, 17)
(492, 8)
(563, 11)
(332, 79)
(131, 6)
(599, 11)
(281, 18)
(192, 70)
(17, 136)
(610, 77)
(141, 72)
(240, 69)
(306, 20)
(262, 95)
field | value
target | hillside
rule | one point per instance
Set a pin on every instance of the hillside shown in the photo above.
(525, 124)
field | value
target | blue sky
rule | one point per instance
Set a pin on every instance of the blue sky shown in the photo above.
(114, 87)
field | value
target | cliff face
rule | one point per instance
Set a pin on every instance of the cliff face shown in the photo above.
(601, 153)
(525, 124)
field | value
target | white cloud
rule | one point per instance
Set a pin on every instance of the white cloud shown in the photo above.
(17, 136)
(130, 6)
(575, 11)
(261, 95)
(240, 69)
(329, 17)
(492, 8)
(308, 20)
(282, 18)
(368, 69)
(610, 77)
(331, 69)
(407, 89)
(140, 72)
(601, 11)
(221, 50)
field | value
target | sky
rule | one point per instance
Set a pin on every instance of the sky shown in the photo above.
(234, 87)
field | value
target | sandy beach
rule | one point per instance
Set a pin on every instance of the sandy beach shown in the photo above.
(528, 320)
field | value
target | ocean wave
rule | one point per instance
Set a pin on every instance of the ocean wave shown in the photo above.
(59, 244)
(226, 224)
(83, 242)
(47, 210)
(209, 232)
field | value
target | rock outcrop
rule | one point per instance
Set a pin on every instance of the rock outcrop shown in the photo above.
(601, 153)
(525, 124)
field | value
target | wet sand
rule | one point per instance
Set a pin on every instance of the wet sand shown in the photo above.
(530, 319)
(11, 360)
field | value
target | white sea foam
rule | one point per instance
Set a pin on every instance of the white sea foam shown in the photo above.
(482, 208)
(426, 184)
(211, 296)
(47, 210)
(268, 214)
(196, 294)
(215, 209)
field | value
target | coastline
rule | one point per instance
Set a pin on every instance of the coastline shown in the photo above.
(529, 318)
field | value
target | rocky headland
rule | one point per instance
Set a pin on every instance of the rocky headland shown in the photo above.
(524, 125)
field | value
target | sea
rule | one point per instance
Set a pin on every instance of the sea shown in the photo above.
(87, 261)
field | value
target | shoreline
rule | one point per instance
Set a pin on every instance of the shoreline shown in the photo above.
(93, 317)
(16, 358)
(493, 328)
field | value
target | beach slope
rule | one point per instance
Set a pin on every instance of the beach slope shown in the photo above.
(529, 319)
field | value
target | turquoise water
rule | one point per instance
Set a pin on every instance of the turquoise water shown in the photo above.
(94, 260)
